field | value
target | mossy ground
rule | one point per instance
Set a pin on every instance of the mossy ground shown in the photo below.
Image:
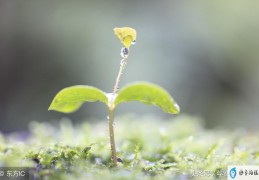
(151, 148)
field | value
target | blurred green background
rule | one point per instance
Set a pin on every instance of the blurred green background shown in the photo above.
(205, 53)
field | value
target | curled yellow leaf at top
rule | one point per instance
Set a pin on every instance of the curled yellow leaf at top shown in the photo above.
(126, 35)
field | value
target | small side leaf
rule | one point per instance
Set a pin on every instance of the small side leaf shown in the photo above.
(149, 94)
(71, 99)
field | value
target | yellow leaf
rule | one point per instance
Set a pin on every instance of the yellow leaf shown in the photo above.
(126, 35)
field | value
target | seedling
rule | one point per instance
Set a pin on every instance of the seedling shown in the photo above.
(70, 99)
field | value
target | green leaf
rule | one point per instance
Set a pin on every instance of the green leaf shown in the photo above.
(149, 94)
(71, 99)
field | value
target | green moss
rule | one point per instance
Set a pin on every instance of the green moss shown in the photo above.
(150, 148)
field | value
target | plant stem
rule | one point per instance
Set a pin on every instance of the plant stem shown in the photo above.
(111, 108)
(112, 140)
(122, 66)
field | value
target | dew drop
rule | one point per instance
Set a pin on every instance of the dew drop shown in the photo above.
(124, 52)
(134, 42)
(108, 117)
(177, 107)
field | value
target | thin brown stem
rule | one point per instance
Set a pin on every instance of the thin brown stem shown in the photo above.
(111, 107)
(122, 66)
(112, 140)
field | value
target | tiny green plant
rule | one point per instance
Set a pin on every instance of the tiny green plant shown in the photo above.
(70, 99)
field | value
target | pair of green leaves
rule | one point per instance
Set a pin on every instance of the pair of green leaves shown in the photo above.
(71, 99)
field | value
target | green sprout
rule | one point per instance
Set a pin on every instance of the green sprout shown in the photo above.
(70, 99)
